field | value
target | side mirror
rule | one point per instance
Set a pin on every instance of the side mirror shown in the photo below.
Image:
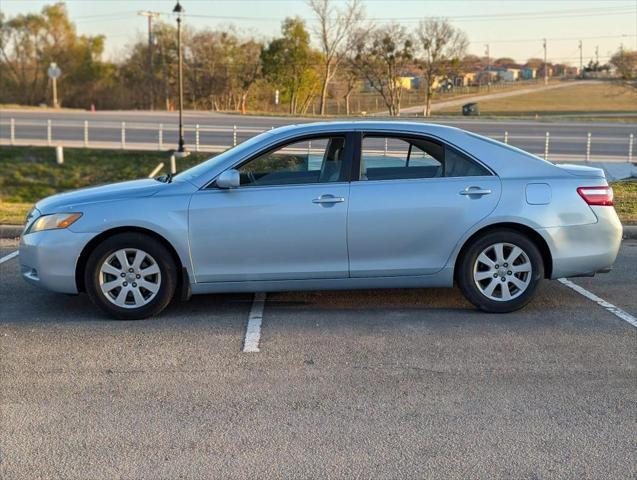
(228, 179)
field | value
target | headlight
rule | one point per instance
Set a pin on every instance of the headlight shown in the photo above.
(54, 221)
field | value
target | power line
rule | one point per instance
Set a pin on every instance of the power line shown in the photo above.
(489, 16)
(103, 15)
(538, 17)
(480, 17)
(562, 39)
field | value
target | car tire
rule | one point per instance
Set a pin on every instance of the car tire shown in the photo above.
(131, 276)
(500, 270)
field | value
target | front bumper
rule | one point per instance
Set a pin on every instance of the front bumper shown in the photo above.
(48, 259)
(583, 250)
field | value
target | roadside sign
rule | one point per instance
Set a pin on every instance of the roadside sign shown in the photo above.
(54, 71)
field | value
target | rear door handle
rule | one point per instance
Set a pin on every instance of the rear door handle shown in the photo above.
(328, 199)
(475, 191)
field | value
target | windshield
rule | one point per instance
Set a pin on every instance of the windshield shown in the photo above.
(201, 168)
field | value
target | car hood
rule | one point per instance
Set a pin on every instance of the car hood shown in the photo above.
(103, 193)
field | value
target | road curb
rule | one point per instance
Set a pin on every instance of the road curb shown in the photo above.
(630, 231)
(14, 231)
(10, 231)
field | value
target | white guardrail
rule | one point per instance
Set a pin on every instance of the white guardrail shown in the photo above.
(80, 136)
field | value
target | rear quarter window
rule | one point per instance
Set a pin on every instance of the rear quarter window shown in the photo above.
(458, 164)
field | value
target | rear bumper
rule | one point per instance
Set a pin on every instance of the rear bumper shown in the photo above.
(583, 250)
(48, 259)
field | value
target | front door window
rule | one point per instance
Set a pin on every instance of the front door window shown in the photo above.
(316, 160)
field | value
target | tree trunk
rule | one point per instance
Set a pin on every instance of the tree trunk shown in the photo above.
(347, 102)
(244, 97)
(428, 92)
(324, 90)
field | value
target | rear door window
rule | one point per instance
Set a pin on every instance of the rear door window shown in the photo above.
(393, 158)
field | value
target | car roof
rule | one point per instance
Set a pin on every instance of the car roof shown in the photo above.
(393, 126)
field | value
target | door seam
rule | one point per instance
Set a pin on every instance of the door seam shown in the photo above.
(349, 199)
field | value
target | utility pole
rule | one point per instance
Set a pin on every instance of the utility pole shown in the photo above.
(151, 76)
(597, 55)
(55, 91)
(581, 65)
(546, 71)
(488, 66)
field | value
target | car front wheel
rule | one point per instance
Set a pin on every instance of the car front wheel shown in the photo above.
(131, 276)
(500, 271)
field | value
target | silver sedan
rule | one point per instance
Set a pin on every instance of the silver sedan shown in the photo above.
(330, 206)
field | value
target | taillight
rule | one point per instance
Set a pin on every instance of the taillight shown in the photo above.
(597, 195)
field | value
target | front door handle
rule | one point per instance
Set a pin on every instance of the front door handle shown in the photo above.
(475, 191)
(328, 199)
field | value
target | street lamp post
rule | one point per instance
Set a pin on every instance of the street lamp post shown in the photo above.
(179, 10)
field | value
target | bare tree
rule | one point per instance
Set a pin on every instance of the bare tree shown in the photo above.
(381, 56)
(350, 80)
(442, 48)
(625, 63)
(334, 27)
(247, 70)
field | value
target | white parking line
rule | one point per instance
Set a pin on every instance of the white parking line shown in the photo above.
(253, 330)
(6, 258)
(601, 302)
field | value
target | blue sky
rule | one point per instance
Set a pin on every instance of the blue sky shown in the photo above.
(512, 28)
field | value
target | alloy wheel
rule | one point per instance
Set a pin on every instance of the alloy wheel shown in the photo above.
(130, 278)
(502, 272)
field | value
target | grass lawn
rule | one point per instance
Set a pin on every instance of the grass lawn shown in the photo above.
(607, 97)
(13, 213)
(30, 173)
(626, 201)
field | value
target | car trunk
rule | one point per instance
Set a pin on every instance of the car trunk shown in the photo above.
(582, 171)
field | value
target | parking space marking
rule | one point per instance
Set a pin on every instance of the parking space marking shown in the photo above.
(253, 330)
(601, 302)
(6, 258)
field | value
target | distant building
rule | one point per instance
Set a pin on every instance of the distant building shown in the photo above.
(528, 73)
(514, 72)
(409, 82)
(506, 75)
(562, 70)
(464, 79)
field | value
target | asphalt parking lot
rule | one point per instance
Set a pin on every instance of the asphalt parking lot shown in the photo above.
(355, 384)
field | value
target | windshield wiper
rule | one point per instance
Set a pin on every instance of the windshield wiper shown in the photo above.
(168, 178)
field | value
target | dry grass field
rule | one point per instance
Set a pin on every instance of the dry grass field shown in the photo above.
(600, 98)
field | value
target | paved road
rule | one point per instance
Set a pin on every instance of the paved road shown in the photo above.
(566, 138)
(355, 384)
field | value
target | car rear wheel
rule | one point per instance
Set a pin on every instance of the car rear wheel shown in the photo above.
(131, 276)
(500, 271)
